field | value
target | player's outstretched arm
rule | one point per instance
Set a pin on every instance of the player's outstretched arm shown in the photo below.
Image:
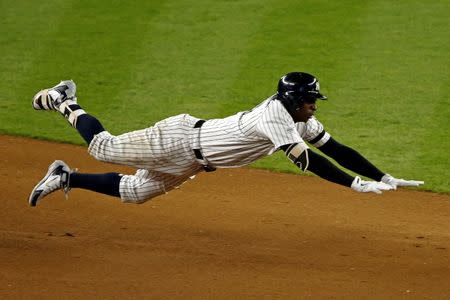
(305, 159)
(354, 161)
(351, 159)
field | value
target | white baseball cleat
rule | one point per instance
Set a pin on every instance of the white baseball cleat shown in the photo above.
(57, 178)
(51, 98)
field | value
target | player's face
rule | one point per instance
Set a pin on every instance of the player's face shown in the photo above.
(305, 111)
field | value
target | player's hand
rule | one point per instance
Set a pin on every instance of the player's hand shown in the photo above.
(395, 182)
(369, 186)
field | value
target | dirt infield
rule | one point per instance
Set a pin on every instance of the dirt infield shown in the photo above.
(231, 234)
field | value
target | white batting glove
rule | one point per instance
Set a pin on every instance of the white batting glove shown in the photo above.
(369, 186)
(394, 182)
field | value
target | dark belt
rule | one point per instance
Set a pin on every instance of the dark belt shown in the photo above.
(198, 154)
(199, 123)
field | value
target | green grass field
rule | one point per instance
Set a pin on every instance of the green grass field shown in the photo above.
(383, 64)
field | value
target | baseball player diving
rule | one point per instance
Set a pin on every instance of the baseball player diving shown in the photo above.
(175, 149)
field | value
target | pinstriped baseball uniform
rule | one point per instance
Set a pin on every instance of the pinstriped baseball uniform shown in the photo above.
(164, 153)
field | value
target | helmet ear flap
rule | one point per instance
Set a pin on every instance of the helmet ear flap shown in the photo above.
(291, 101)
(288, 94)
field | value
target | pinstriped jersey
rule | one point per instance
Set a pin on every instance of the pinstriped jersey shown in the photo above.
(249, 135)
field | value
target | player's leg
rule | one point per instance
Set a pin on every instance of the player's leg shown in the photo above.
(128, 149)
(138, 188)
(164, 147)
(60, 177)
(62, 98)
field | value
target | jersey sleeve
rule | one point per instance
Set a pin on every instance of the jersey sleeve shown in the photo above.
(314, 133)
(277, 125)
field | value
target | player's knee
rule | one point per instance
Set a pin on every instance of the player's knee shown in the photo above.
(138, 190)
(101, 146)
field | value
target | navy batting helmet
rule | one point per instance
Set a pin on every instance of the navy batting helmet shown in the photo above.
(297, 87)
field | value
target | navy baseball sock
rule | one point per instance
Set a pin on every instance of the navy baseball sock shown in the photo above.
(88, 126)
(107, 183)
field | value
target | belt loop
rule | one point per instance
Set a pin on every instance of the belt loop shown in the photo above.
(198, 153)
(199, 123)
